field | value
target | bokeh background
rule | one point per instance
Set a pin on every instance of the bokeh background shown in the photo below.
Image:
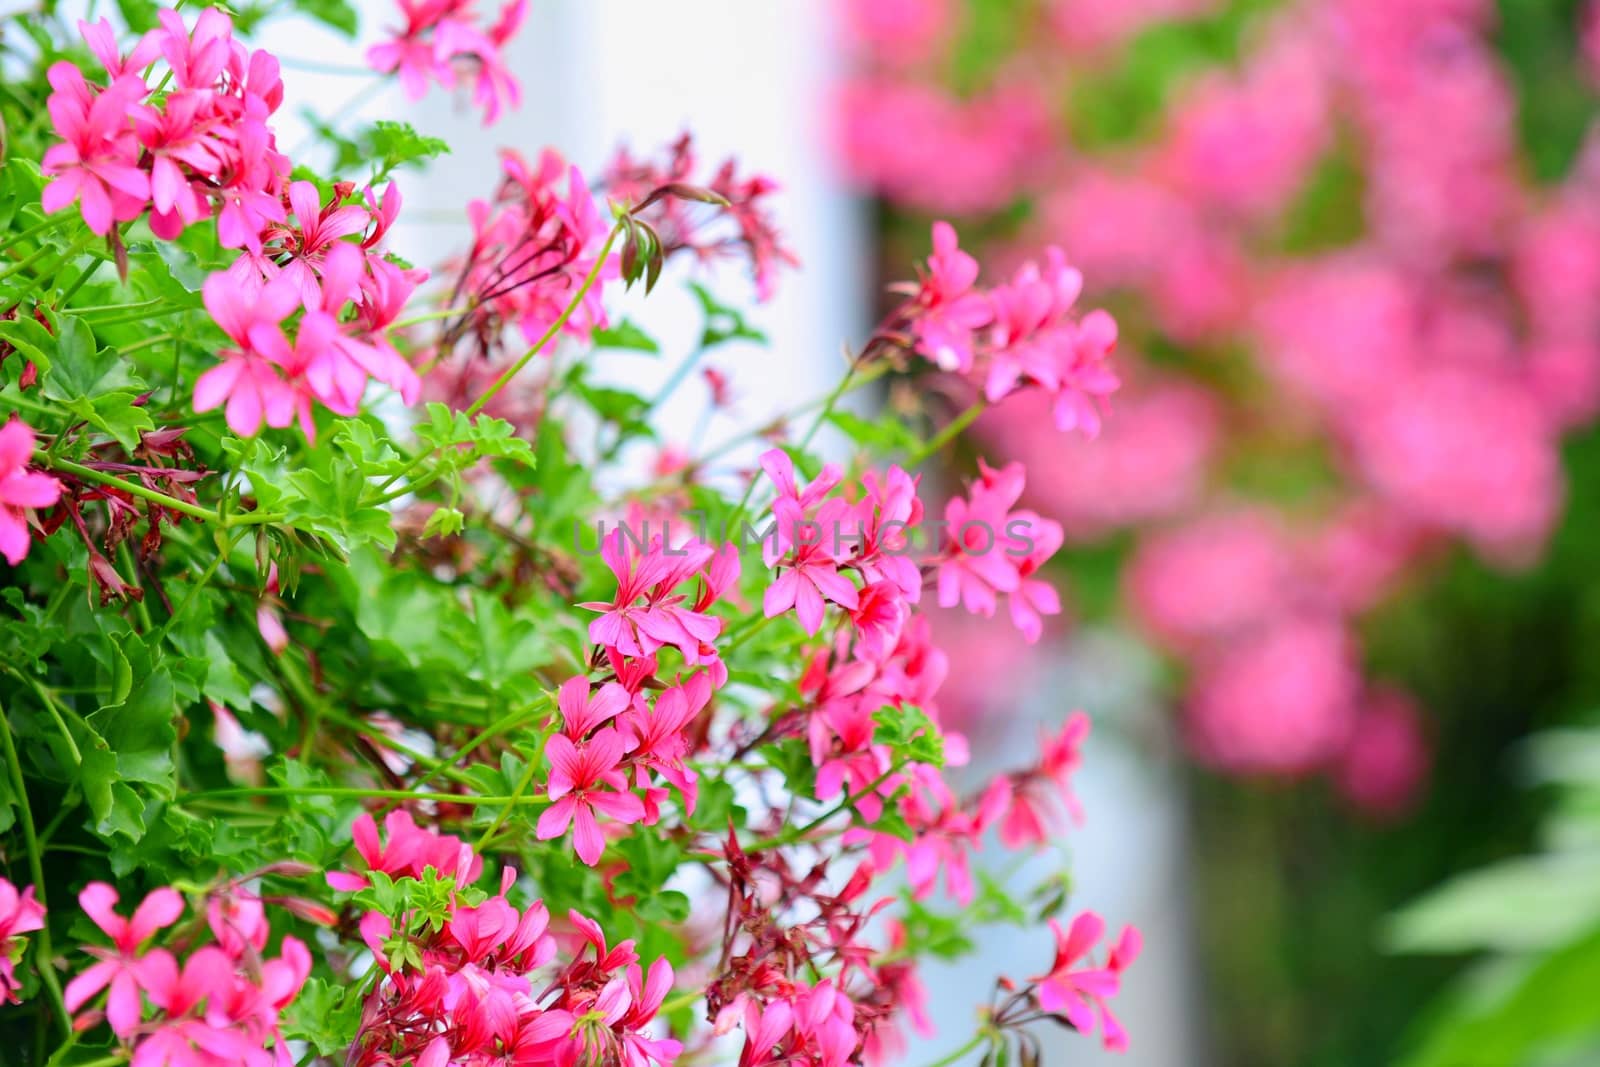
(1331, 568)
(1347, 496)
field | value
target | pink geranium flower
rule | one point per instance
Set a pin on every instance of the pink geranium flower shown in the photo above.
(951, 310)
(1072, 987)
(410, 850)
(121, 968)
(247, 380)
(19, 914)
(21, 490)
(576, 777)
(96, 164)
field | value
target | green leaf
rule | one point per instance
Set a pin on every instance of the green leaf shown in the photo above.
(30, 337)
(1519, 905)
(96, 384)
(887, 434)
(336, 14)
(444, 522)
(722, 323)
(910, 735)
(626, 335)
(391, 145)
(324, 1015)
(1553, 1006)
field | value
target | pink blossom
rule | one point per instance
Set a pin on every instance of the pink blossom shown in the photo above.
(950, 309)
(204, 139)
(655, 575)
(576, 775)
(1280, 701)
(248, 379)
(994, 549)
(97, 162)
(581, 712)
(21, 490)
(438, 39)
(1150, 462)
(1078, 990)
(410, 850)
(1451, 439)
(941, 154)
(1385, 765)
(897, 31)
(123, 967)
(533, 244)
(656, 738)
(19, 914)
(1211, 576)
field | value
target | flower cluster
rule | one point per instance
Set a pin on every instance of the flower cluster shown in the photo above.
(441, 41)
(197, 143)
(379, 627)
(983, 547)
(348, 295)
(1076, 989)
(458, 985)
(1018, 335)
(533, 243)
(222, 1000)
(1265, 617)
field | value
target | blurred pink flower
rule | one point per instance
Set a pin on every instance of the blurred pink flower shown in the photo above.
(1448, 442)
(21, 490)
(896, 31)
(1151, 460)
(941, 154)
(1278, 701)
(1213, 576)
(1385, 764)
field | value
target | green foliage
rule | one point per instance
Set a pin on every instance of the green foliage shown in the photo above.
(1529, 1001)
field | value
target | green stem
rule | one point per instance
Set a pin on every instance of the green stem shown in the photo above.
(27, 261)
(789, 837)
(78, 470)
(977, 1039)
(523, 783)
(83, 278)
(431, 316)
(948, 434)
(554, 328)
(140, 316)
(511, 371)
(350, 722)
(194, 591)
(861, 381)
(680, 1000)
(137, 305)
(493, 730)
(194, 511)
(679, 374)
(822, 416)
(351, 793)
(20, 401)
(49, 222)
(42, 952)
(51, 705)
(148, 342)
